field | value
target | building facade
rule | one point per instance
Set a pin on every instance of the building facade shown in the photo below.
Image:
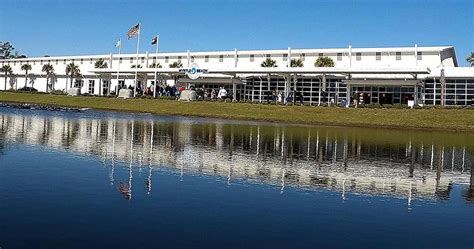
(390, 75)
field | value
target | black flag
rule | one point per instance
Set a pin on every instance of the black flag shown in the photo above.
(154, 40)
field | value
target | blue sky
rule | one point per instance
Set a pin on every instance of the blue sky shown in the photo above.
(61, 27)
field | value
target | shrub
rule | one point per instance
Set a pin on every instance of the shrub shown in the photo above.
(58, 92)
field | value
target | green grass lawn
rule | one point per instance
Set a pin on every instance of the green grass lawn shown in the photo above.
(439, 119)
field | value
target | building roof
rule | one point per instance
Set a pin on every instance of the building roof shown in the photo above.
(255, 52)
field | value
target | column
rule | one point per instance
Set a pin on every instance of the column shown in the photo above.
(319, 93)
(188, 55)
(416, 94)
(288, 63)
(234, 90)
(146, 61)
(416, 57)
(286, 77)
(350, 56)
(110, 60)
(236, 58)
(348, 94)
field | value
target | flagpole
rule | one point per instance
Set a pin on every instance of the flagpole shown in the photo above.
(118, 67)
(136, 67)
(156, 63)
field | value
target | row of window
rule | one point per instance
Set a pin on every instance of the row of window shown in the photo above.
(378, 56)
(56, 62)
(358, 56)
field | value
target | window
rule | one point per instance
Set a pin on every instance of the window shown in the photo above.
(56, 62)
(41, 62)
(121, 84)
(120, 60)
(206, 58)
(179, 58)
(167, 59)
(105, 87)
(78, 83)
(358, 56)
(252, 57)
(419, 56)
(90, 61)
(33, 63)
(285, 57)
(192, 58)
(82, 61)
(269, 56)
(302, 56)
(221, 58)
(143, 59)
(320, 54)
(339, 56)
(131, 60)
(91, 86)
(398, 56)
(378, 56)
(64, 61)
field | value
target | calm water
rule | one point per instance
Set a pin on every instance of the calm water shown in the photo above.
(111, 180)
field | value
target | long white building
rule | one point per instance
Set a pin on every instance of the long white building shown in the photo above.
(390, 75)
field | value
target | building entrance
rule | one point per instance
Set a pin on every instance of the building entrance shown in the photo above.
(385, 98)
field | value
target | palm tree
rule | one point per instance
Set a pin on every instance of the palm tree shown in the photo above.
(136, 66)
(176, 64)
(26, 68)
(268, 63)
(296, 63)
(470, 59)
(100, 63)
(72, 70)
(7, 70)
(49, 70)
(324, 62)
(155, 65)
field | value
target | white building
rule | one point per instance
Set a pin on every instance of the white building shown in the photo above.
(378, 75)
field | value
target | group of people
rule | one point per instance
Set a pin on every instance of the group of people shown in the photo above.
(279, 97)
(213, 94)
(160, 91)
(274, 96)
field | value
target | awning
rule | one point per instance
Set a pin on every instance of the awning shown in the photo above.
(276, 70)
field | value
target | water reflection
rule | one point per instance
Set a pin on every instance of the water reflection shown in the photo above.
(401, 164)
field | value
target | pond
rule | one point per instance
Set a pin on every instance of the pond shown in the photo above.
(116, 180)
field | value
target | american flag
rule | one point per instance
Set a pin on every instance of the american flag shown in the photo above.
(133, 31)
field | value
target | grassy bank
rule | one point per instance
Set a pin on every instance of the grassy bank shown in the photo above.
(439, 119)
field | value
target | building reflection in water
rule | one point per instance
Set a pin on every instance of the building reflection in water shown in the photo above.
(406, 165)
